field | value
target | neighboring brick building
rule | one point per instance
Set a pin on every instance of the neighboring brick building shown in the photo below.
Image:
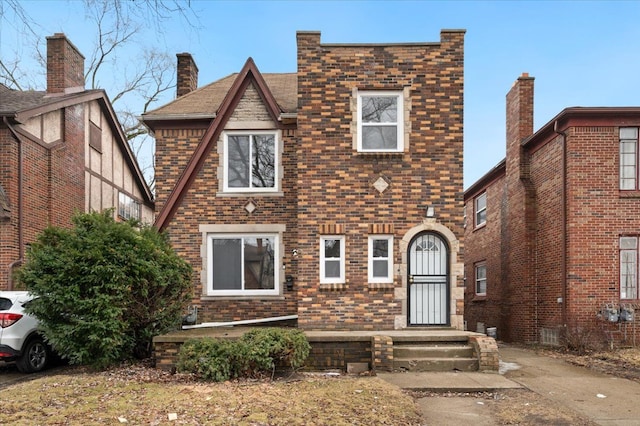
(551, 236)
(331, 196)
(61, 150)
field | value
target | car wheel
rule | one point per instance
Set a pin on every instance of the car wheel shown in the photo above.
(35, 356)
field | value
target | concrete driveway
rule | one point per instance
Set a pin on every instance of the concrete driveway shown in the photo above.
(606, 400)
(10, 375)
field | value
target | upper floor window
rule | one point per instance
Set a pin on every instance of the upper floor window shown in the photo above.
(240, 265)
(128, 208)
(380, 122)
(628, 267)
(332, 259)
(381, 259)
(629, 158)
(250, 161)
(481, 279)
(480, 204)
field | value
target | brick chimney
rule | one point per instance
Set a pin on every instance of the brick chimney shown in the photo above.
(65, 66)
(187, 79)
(519, 119)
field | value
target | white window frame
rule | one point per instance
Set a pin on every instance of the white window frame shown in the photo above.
(254, 292)
(479, 210)
(478, 280)
(332, 280)
(399, 119)
(629, 259)
(628, 157)
(128, 208)
(389, 277)
(276, 166)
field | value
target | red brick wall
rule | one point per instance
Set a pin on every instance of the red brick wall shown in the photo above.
(52, 189)
(483, 244)
(598, 214)
(9, 250)
(67, 169)
(174, 148)
(547, 178)
(335, 182)
(201, 205)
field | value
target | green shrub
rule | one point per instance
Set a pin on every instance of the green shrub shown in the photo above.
(257, 352)
(273, 347)
(105, 288)
(207, 358)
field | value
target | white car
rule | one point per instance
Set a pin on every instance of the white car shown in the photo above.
(20, 340)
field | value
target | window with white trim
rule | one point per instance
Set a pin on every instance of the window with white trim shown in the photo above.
(629, 158)
(128, 208)
(332, 259)
(480, 207)
(380, 121)
(628, 267)
(381, 259)
(481, 279)
(243, 264)
(250, 161)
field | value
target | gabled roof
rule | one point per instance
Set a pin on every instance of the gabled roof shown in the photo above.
(206, 101)
(248, 75)
(18, 106)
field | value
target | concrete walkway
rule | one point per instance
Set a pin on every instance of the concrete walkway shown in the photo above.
(606, 400)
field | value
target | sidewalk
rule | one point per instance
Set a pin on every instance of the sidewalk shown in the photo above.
(604, 399)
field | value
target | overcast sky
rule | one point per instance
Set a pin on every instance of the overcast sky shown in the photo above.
(581, 53)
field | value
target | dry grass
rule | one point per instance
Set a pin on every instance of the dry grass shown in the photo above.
(137, 395)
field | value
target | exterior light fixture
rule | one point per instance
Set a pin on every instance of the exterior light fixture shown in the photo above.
(431, 211)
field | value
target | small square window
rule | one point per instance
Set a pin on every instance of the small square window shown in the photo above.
(481, 279)
(332, 259)
(381, 259)
(481, 209)
(380, 122)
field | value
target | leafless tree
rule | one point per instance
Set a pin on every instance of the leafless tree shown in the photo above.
(133, 84)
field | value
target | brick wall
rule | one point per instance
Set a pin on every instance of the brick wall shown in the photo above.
(483, 245)
(335, 182)
(204, 204)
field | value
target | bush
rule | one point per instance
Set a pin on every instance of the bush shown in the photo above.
(105, 288)
(257, 352)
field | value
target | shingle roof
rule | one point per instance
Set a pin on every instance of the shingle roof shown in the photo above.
(13, 101)
(207, 99)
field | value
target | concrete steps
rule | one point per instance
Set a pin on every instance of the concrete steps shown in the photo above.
(434, 353)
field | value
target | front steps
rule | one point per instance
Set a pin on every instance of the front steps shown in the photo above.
(434, 353)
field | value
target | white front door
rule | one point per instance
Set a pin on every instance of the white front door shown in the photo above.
(428, 280)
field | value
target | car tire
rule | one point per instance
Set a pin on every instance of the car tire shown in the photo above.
(35, 356)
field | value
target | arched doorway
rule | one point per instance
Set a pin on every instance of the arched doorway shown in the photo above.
(428, 280)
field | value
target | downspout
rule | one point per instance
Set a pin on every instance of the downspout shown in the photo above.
(563, 266)
(20, 259)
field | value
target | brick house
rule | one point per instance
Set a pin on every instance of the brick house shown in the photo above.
(331, 197)
(61, 150)
(551, 236)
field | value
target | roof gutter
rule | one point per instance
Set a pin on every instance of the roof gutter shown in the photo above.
(20, 259)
